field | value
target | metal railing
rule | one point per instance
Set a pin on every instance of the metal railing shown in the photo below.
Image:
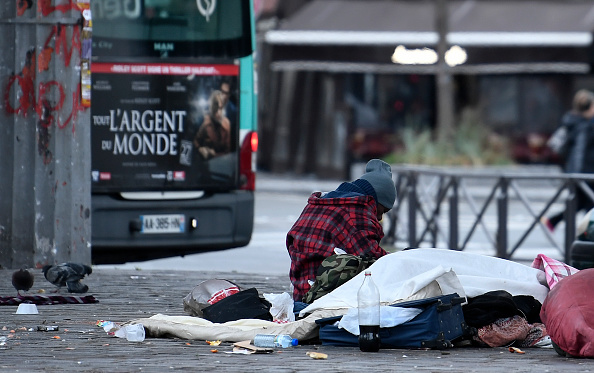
(498, 212)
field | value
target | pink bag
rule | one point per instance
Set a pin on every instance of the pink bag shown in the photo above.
(568, 313)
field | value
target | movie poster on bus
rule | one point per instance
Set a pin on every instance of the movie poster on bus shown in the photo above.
(163, 126)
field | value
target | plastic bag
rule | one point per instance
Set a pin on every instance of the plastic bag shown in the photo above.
(247, 304)
(208, 293)
(282, 307)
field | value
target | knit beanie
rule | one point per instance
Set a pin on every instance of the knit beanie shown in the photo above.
(379, 174)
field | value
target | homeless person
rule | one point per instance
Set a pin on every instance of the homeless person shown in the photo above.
(347, 218)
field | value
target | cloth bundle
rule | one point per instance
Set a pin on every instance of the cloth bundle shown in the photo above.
(47, 299)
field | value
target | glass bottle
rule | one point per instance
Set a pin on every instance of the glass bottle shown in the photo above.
(368, 298)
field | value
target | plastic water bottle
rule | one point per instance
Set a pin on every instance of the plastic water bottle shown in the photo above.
(368, 298)
(271, 340)
(110, 327)
(133, 333)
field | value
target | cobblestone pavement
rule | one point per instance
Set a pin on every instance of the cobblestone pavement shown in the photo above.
(80, 345)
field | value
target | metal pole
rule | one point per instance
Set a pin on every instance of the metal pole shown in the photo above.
(445, 96)
(453, 200)
(569, 216)
(434, 229)
(502, 207)
(412, 211)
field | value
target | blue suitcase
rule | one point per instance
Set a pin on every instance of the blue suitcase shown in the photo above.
(440, 323)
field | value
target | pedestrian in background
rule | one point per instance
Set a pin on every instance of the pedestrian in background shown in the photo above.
(347, 218)
(577, 149)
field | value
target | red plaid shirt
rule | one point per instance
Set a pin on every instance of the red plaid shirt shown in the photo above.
(349, 223)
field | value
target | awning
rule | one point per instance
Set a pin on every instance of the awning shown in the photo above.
(549, 36)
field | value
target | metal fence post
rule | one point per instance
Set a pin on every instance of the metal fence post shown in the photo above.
(502, 211)
(569, 217)
(453, 201)
(412, 210)
(433, 229)
(44, 137)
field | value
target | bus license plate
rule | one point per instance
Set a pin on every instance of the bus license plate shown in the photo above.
(163, 223)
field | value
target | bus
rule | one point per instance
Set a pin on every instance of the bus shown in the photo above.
(173, 127)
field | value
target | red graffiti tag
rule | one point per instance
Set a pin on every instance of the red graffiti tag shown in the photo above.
(46, 8)
(45, 110)
(23, 5)
(51, 95)
(76, 107)
(44, 107)
(25, 81)
(58, 34)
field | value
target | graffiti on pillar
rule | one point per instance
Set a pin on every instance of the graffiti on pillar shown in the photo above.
(20, 92)
(25, 81)
(46, 8)
(23, 5)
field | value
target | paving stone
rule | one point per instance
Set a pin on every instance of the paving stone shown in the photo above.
(80, 345)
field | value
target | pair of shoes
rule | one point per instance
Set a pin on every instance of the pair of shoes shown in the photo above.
(547, 223)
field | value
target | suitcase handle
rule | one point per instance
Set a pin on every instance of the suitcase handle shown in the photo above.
(454, 301)
(442, 306)
(458, 300)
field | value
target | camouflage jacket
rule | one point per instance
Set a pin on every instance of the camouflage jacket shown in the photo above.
(334, 271)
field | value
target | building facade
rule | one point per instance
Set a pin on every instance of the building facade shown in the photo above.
(340, 79)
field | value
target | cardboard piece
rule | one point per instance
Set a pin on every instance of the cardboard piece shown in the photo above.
(249, 346)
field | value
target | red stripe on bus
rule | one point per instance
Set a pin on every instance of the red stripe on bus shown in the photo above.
(163, 69)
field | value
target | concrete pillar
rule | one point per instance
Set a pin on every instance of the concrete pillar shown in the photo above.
(44, 136)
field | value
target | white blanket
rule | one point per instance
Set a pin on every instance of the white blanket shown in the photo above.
(190, 327)
(405, 275)
(402, 275)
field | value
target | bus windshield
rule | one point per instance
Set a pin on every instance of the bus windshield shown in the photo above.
(171, 28)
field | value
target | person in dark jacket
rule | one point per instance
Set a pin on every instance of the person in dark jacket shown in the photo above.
(347, 218)
(578, 152)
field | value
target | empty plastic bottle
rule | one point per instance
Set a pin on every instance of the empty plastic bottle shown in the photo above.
(133, 333)
(271, 340)
(110, 326)
(368, 298)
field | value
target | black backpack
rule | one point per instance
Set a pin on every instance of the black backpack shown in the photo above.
(246, 304)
